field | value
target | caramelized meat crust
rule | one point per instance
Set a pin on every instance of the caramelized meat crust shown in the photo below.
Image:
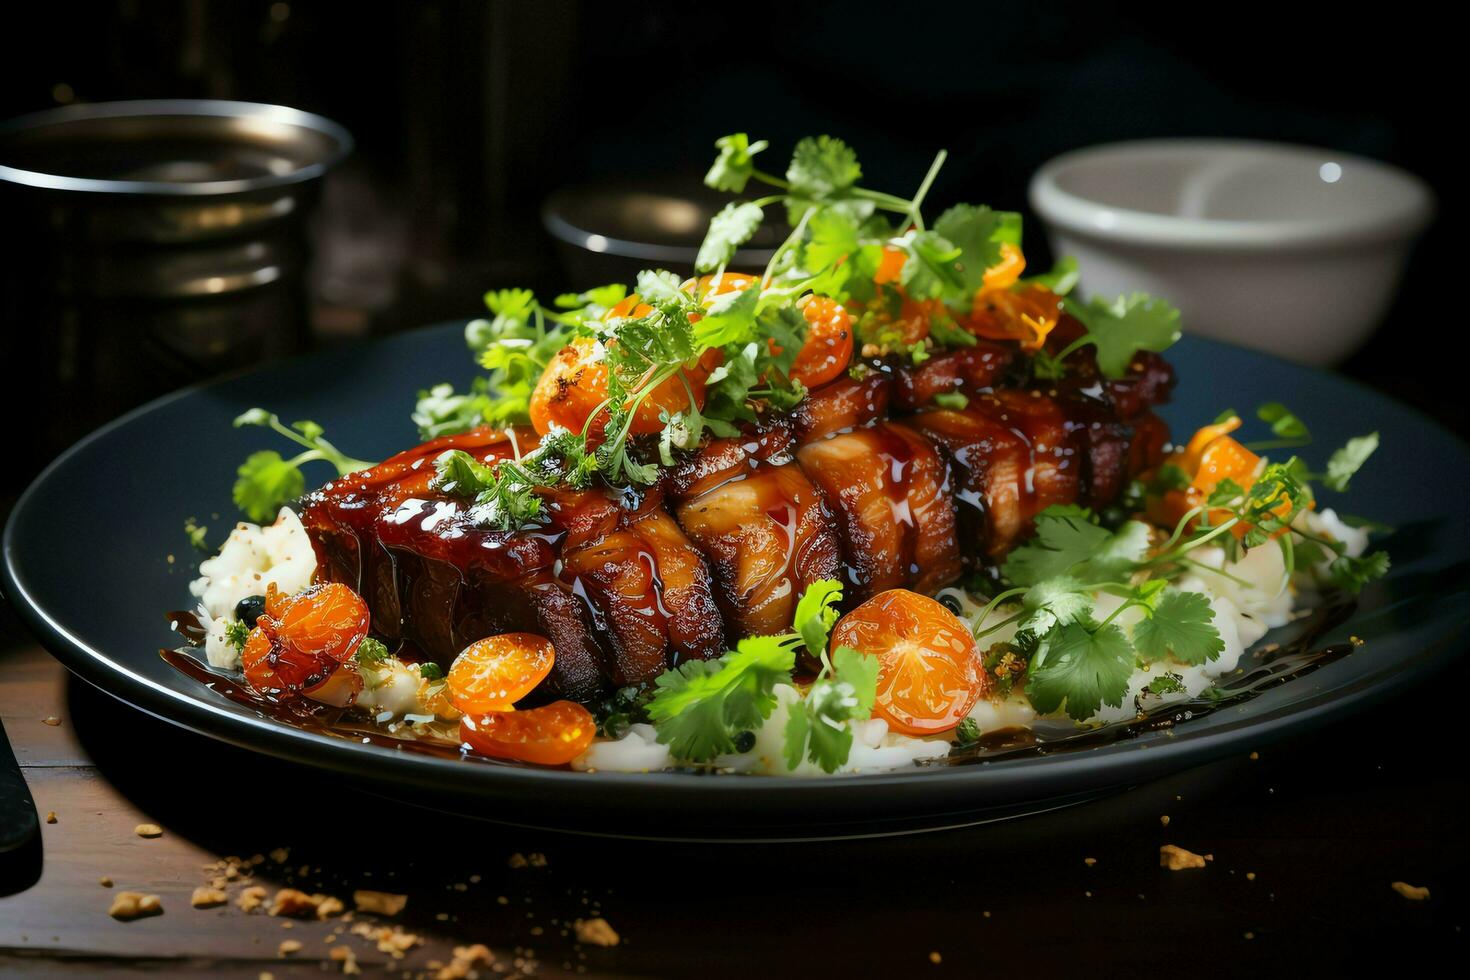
(867, 481)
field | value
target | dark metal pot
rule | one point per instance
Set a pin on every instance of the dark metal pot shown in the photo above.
(610, 230)
(152, 244)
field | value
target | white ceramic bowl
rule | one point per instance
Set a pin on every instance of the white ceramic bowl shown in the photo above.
(1287, 249)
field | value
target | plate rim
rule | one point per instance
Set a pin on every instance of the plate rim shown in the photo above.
(1108, 765)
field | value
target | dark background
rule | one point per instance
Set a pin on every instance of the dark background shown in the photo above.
(468, 114)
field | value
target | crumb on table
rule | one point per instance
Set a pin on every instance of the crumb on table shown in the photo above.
(596, 932)
(127, 906)
(1178, 859)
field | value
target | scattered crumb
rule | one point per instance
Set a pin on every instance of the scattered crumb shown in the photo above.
(390, 939)
(50, 816)
(466, 958)
(518, 860)
(536, 859)
(934, 957)
(1413, 893)
(105, 881)
(348, 959)
(127, 906)
(596, 932)
(379, 903)
(1089, 861)
(985, 914)
(296, 904)
(266, 975)
(288, 947)
(148, 830)
(280, 854)
(1164, 820)
(1250, 935)
(251, 898)
(1178, 859)
(1254, 756)
(1356, 641)
(51, 720)
(205, 897)
(1250, 876)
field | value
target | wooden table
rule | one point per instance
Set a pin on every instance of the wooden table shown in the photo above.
(1306, 839)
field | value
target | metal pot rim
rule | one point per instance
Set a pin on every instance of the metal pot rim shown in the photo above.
(177, 107)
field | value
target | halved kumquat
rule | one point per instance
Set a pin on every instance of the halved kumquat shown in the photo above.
(930, 672)
(494, 673)
(551, 735)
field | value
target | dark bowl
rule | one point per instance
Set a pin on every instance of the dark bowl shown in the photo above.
(610, 231)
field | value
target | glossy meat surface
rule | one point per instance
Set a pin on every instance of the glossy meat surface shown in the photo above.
(866, 480)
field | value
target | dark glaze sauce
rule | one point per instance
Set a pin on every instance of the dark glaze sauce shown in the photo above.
(1275, 665)
(312, 716)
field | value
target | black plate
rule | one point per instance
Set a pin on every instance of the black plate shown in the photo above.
(95, 552)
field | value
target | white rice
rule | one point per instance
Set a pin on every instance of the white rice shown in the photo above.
(252, 558)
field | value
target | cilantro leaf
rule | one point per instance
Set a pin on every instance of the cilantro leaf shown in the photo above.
(1122, 327)
(952, 400)
(440, 411)
(733, 167)
(932, 269)
(821, 167)
(264, 483)
(662, 286)
(459, 474)
(832, 235)
(371, 652)
(702, 705)
(1182, 625)
(731, 319)
(1054, 602)
(594, 300)
(732, 227)
(1065, 536)
(1283, 421)
(198, 536)
(817, 727)
(237, 633)
(1351, 574)
(978, 233)
(1080, 669)
(1124, 549)
(861, 671)
(1348, 460)
(816, 613)
(1166, 684)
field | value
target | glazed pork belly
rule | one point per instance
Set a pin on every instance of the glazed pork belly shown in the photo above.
(865, 481)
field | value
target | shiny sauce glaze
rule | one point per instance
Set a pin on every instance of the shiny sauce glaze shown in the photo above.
(863, 480)
(1275, 664)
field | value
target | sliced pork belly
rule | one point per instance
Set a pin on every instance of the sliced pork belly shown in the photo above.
(841, 405)
(968, 371)
(622, 594)
(1012, 459)
(651, 595)
(767, 534)
(895, 511)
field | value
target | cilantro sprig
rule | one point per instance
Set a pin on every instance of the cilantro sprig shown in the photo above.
(267, 480)
(702, 709)
(1079, 663)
